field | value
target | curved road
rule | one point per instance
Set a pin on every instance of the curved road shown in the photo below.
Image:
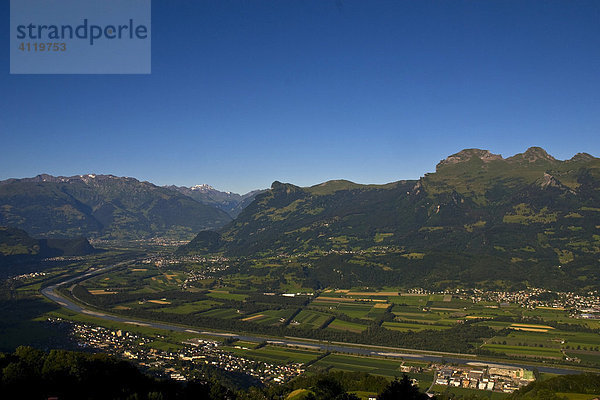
(50, 293)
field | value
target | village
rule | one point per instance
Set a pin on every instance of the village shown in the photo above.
(178, 365)
(182, 364)
(579, 305)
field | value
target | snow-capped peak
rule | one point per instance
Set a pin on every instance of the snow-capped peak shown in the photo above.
(203, 187)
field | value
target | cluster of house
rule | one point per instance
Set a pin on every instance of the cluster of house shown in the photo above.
(178, 364)
(156, 241)
(207, 272)
(586, 305)
(169, 259)
(210, 266)
(207, 351)
(498, 378)
(532, 298)
(113, 341)
(29, 276)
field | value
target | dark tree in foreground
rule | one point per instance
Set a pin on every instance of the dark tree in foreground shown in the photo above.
(29, 373)
(402, 389)
(329, 388)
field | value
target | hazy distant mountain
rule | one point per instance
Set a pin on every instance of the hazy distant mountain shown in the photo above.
(20, 253)
(231, 203)
(16, 242)
(478, 218)
(102, 206)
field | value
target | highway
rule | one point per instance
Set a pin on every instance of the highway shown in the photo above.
(50, 293)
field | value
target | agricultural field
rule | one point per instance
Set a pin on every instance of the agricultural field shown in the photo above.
(401, 326)
(481, 394)
(310, 319)
(578, 396)
(538, 341)
(190, 308)
(376, 366)
(226, 313)
(272, 303)
(346, 326)
(225, 295)
(410, 300)
(266, 297)
(354, 310)
(538, 352)
(140, 279)
(275, 354)
(270, 317)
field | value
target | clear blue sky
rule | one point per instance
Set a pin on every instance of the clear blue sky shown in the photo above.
(243, 93)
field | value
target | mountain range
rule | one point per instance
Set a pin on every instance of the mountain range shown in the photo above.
(102, 206)
(231, 203)
(478, 218)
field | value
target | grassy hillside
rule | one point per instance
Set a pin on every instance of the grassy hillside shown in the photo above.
(584, 386)
(16, 242)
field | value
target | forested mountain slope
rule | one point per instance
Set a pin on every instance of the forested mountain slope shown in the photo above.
(478, 217)
(102, 206)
